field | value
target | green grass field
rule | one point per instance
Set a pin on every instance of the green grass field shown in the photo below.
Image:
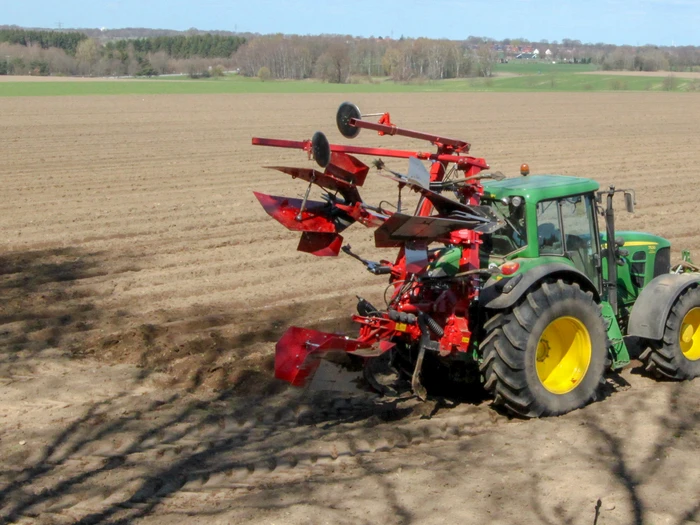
(534, 67)
(516, 76)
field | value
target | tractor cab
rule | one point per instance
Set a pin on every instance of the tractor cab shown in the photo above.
(553, 218)
(549, 218)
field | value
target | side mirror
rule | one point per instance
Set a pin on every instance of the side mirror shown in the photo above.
(629, 202)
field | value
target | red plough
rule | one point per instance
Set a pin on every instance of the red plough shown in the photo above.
(433, 288)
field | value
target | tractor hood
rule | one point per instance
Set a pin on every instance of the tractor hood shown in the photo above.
(636, 239)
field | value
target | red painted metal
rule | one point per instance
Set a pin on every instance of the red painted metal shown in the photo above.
(384, 119)
(295, 361)
(324, 180)
(297, 352)
(348, 168)
(457, 336)
(361, 214)
(320, 244)
(463, 162)
(387, 128)
(316, 216)
(283, 143)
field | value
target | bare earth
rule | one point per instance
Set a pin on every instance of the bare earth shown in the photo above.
(142, 289)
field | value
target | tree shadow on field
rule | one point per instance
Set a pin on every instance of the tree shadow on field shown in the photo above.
(125, 455)
(676, 426)
(42, 305)
(128, 455)
(643, 452)
(174, 453)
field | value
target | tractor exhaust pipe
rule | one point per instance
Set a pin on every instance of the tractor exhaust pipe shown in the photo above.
(611, 251)
(614, 252)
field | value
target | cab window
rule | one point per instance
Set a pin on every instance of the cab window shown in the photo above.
(513, 234)
(567, 227)
(549, 228)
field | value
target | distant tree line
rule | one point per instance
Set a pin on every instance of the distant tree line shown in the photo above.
(181, 46)
(337, 59)
(198, 55)
(67, 41)
(340, 59)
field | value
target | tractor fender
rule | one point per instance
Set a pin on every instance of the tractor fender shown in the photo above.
(499, 294)
(651, 309)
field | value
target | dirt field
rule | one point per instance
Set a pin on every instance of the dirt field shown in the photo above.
(142, 289)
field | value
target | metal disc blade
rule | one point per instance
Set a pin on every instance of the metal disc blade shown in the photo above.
(321, 149)
(347, 111)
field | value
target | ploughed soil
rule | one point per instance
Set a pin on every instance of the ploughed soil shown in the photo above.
(142, 289)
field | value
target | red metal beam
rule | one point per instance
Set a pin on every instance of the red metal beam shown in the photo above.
(461, 160)
(390, 129)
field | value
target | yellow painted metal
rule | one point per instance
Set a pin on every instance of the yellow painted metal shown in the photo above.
(640, 243)
(689, 336)
(634, 243)
(563, 355)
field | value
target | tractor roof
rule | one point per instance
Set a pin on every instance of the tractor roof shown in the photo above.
(540, 187)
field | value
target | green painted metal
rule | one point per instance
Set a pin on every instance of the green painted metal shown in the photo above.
(538, 188)
(637, 269)
(618, 349)
(529, 263)
(446, 262)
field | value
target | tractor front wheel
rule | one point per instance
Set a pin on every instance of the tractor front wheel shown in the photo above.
(547, 355)
(677, 355)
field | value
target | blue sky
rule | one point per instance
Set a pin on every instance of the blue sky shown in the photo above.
(634, 22)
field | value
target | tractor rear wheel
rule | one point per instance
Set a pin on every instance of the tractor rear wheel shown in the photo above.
(547, 355)
(677, 355)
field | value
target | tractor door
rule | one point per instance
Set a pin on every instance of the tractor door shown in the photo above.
(567, 227)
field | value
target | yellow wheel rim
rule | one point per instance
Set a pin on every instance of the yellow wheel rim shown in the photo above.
(564, 354)
(689, 337)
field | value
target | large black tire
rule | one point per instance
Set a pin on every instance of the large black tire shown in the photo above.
(547, 355)
(677, 355)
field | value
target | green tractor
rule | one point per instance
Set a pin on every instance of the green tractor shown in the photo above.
(555, 323)
(520, 284)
